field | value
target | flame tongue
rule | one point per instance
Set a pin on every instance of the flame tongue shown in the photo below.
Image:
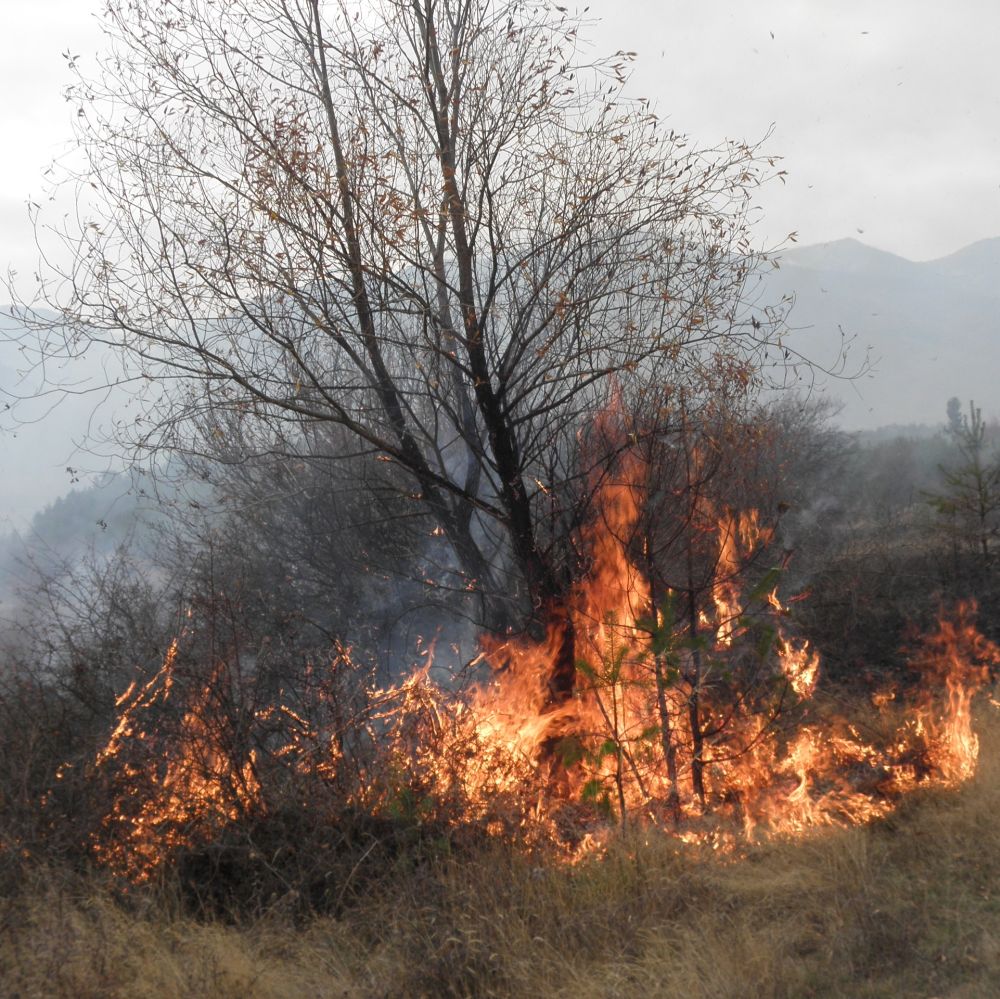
(667, 724)
(624, 728)
(174, 792)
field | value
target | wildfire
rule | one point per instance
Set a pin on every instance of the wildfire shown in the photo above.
(704, 723)
(172, 792)
(737, 533)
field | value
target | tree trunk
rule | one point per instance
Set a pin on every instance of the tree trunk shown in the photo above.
(663, 709)
(694, 710)
(562, 679)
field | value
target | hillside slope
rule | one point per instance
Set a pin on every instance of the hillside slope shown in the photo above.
(930, 329)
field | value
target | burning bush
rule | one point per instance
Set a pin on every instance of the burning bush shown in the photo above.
(711, 729)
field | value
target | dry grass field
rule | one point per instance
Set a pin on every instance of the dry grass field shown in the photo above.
(907, 907)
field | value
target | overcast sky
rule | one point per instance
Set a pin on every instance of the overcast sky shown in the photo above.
(885, 111)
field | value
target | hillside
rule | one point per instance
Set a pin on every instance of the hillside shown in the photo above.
(929, 328)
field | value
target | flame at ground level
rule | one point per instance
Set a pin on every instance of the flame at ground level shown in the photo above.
(704, 734)
(706, 724)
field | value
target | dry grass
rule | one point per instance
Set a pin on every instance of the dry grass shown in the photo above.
(910, 907)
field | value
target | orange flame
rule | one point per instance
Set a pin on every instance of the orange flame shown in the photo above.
(177, 797)
(655, 732)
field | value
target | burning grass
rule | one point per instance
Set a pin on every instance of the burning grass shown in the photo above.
(906, 906)
(710, 727)
(699, 817)
(196, 785)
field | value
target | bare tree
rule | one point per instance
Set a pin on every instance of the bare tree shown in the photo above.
(435, 224)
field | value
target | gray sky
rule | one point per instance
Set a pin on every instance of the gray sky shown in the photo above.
(885, 111)
(35, 118)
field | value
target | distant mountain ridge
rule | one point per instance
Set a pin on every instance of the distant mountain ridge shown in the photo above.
(931, 328)
(976, 266)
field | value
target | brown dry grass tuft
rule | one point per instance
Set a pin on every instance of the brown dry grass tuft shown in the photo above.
(909, 907)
